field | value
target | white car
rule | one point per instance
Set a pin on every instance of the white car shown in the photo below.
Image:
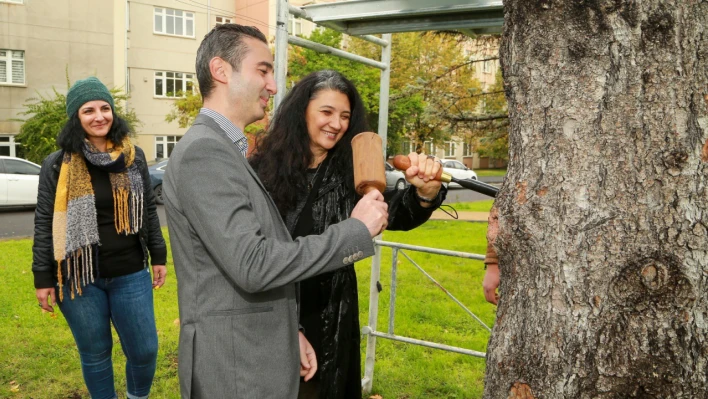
(395, 179)
(458, 170)
(19, 180)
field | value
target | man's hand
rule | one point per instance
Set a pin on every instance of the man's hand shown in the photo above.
(372, 211)
(308, 360)
(159, 272)
(43, 296)
(491, 283)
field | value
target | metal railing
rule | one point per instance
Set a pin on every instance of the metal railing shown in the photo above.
(374, 290)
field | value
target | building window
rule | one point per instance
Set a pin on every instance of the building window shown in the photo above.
(223, 20)
(294, 26)
(173, 84)
(406, 147)
(13, 1)
(467, 150)
(12, 67)
(429, 148)
(174, 22)
(487, 67)
(6, 146)
(164, 146)
(449, 149)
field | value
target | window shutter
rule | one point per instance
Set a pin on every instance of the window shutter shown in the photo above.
(18, 72)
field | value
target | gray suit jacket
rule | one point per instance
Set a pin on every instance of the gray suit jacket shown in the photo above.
(236, 269)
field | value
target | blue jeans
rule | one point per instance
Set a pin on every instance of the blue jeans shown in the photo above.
(127, 302)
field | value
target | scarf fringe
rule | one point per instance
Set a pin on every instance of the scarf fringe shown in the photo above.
(79, 271)
(128, 211)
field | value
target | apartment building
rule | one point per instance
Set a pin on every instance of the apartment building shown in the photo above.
(146, 47)
(38, 41)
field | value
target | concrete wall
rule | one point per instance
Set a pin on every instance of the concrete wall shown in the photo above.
(149, 52)
(54, 34)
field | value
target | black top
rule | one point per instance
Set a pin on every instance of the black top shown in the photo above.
(118, 254)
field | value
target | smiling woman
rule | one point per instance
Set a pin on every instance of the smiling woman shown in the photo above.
(95, 225)
(305, 162)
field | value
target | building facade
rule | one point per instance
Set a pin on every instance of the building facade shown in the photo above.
(147, 48)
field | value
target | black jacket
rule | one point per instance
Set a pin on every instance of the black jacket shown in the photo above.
(44, 266)
(329, 302)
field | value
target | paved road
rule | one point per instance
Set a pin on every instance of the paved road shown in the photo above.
(20, 223)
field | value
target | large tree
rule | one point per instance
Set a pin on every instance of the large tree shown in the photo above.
(603, 238)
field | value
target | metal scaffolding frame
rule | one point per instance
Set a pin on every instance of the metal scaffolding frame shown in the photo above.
(362, 18)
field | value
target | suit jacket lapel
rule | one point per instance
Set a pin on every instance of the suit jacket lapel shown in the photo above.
(207, 121)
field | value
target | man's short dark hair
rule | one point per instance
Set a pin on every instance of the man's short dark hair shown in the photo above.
(226, 42)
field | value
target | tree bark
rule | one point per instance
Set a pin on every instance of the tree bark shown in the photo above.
(603, 243)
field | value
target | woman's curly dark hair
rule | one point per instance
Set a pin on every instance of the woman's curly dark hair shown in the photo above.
(72, 135)
(283, 154)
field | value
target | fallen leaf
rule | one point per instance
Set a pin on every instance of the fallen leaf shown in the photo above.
(53, 315)
(376, 397)
(176, 322)
(14, 386)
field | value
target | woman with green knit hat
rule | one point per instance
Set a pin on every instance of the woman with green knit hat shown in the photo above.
(96, 226)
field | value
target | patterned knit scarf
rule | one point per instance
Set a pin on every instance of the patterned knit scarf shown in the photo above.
(75, 228)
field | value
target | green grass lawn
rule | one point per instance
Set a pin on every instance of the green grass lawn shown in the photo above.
(477, 206)
(38, 357)
(490, 172)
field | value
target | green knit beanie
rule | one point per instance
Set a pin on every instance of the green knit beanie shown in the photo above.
(83, 91)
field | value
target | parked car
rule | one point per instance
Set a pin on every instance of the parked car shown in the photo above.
(395, 179)
(19, 180)
(156, 172)
(458, 170)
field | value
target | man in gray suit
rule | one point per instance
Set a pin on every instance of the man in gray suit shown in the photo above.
(235, 262)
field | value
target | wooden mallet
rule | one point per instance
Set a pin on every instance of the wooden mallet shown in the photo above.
(367, 154)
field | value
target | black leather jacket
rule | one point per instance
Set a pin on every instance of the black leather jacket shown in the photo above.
(44, 266)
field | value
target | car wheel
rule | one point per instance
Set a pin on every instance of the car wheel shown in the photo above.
(158, 195)
(400, 184)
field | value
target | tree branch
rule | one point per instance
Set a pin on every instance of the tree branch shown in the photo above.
(478, 118)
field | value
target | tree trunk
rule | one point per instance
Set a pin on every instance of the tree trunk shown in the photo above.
(603, 241)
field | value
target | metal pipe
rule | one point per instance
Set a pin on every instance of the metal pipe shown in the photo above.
(436, 251)
(321, 48)
(392, 298)
(372, 333)
(474, 316)
(281, 52)
(384, 92)
(373, 320)
(375, 40)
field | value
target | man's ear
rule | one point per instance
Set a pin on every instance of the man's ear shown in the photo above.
(220, 70)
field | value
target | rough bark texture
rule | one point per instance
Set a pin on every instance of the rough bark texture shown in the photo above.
(603, 239)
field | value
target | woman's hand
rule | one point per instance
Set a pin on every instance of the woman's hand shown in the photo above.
(43, 296)
(158, 276)
(491, 283)
(421, 173)
(491, 277)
